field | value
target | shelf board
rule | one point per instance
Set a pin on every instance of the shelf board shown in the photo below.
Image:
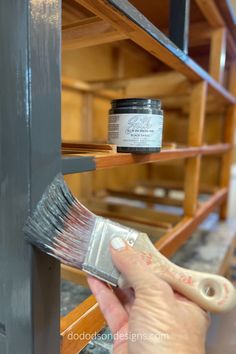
(87, 314)
(175, 238)
(89, 32)
(86, 317)
(77, 164)
(129, 21)
(88, 161)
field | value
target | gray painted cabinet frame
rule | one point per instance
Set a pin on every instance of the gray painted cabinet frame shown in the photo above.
(30, 138)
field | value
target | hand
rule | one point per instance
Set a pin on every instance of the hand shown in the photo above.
(149, 317)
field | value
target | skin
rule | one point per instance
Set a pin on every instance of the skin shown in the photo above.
(149, 317)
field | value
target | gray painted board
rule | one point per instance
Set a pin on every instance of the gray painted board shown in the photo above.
(29, 159)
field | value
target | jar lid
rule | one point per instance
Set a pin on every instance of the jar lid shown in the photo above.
(129, 102)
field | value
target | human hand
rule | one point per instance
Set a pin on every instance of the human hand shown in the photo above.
(149, 317)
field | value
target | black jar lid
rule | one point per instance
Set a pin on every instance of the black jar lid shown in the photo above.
(134, 102)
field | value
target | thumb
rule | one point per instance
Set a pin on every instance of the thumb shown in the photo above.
(135, 266)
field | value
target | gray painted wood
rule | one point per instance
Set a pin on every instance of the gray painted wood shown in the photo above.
(29, 159)
(76, 164)
(2, 345)
(128, 10)
(179, 23)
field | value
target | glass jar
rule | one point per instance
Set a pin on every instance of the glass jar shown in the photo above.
(136, 125)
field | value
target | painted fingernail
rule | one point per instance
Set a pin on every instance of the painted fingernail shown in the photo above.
(118, 244)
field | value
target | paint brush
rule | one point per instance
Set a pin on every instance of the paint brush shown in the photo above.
(64, 228)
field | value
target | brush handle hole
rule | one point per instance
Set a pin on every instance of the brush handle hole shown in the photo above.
(209, 291)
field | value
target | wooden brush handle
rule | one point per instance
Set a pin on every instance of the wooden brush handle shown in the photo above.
(212, 292)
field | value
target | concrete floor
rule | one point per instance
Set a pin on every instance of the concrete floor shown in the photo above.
(222, 334)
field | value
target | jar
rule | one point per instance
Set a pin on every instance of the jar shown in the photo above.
(136, 125)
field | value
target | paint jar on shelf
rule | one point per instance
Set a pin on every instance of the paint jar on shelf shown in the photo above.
(136, 125)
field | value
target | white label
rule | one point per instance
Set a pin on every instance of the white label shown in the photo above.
(135, 130)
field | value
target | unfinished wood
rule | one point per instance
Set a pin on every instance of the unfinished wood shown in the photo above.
(110, 160)
(89, 32)
(113, 160)
(118, 62)
(229, 128)
(81, 86)
(211, 12)
(71, 83)
(72, 12)
(199, 34)
(195, 134)
(173, 185)
(137, 53)
(150, 199)
(127, 159)
(84, 319)
(133, 218)
(232, 77)
(232, 88)
(73, 275)
(191, 185)
(157, 85)
(197, 114)
(100, 204)
(70, 146)
(215, 18)
(180, 105)
(86, 118)
(226, 12)
(170, 243)
(129, 21)
(215, 149)
(71, 128)
(218, 55)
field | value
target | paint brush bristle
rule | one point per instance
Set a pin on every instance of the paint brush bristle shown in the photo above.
(61, 226)
(64, 228)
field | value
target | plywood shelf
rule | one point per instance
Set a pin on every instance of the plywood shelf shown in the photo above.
(101, 160)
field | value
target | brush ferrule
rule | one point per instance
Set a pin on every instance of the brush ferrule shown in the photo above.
(98, 261)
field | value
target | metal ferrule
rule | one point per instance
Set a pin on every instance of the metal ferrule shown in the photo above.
(98, 261)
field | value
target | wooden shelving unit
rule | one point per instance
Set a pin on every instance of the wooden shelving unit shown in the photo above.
(109, 160)
(91, 23)
(115, 49)
(99, 22)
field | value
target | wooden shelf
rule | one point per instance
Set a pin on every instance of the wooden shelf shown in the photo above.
(129, 21)
(88, 316)
(71, 163)
(181, 232)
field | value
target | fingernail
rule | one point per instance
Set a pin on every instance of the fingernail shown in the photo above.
(118, 244)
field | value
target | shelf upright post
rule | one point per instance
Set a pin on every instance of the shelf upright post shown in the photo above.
(195, 134)
(179, 23)
(232, 89)
(30, 142)
(232, 75)
(218, 55)
(226, 160)
(86, 180)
